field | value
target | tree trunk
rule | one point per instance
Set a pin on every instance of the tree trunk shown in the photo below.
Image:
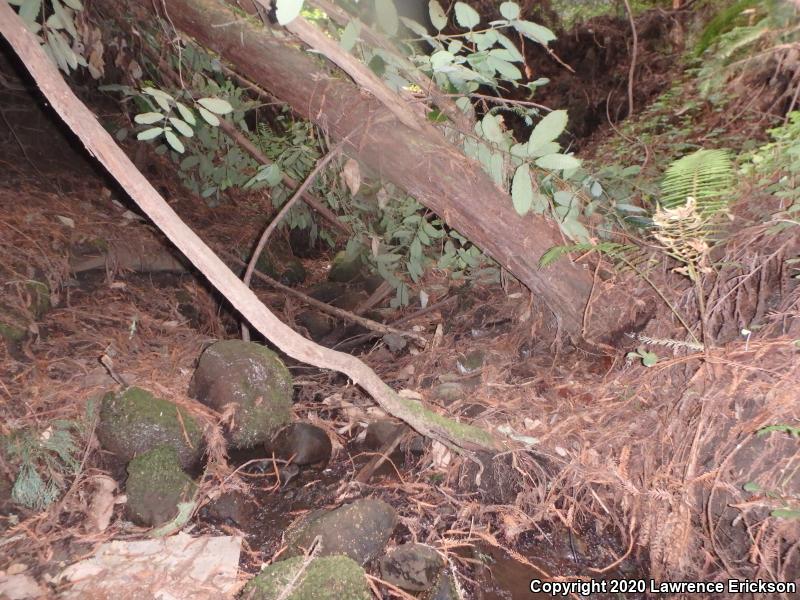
(422, 163)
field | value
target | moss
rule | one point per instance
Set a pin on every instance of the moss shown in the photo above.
(11, 333)
(156, 485)
(324, 578)
(460, 432)
(39, 298)
(251, 376)
(135, 421)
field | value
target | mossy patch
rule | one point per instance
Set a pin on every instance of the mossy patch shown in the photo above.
(135, 421)
(156, 485)
(324, 578)
(252, 378)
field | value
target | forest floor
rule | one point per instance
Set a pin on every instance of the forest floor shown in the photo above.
(628, 471)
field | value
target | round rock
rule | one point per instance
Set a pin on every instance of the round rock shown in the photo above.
(156, 485)
(254, 380)
(322, 579)
(134, 421)
(412, 567)
(359, 530)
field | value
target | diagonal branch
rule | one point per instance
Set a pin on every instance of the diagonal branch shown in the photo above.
(102, 146)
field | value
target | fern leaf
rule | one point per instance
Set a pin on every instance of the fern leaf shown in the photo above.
(705, 175)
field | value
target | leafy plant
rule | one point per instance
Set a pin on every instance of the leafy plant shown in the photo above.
(649, 359)
(45, 460)
(705, 175)
(64, 37)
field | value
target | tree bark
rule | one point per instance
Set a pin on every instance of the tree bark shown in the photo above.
(422, 163)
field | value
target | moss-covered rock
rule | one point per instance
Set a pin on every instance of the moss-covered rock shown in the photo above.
(252, 378)
(359, 530)
(135, 421)
(156, 485)
(323, 579)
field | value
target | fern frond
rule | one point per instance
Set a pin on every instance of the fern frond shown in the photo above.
(705, 175)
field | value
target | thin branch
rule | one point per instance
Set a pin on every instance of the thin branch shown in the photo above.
(634, 54)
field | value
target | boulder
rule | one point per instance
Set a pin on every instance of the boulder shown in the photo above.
(358, 530)
(412, 567)
(251, 378)
(156, 485)
(134, 421)
(323, 578)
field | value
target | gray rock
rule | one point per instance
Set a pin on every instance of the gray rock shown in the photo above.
(359, 530)
(252, 378)
(412, 567)
(134, 421)
(236, 507)
(303, 443)
(325, 578)
(156, 485)
(445, 589)
(449, 392)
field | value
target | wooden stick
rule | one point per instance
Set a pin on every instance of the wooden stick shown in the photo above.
(380, 328)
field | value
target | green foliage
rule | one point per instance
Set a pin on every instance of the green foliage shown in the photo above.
(705, 175)
(649, 359)
(721, 23)
(776, 164)
(771, 26)
(44, 459)
(55, 24)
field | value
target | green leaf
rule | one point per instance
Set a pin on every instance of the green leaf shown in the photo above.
(208, 117)
(182, 127)
(288, 10)
(491, 129)
(350, 35)
(786, 513)
(548, 129)
(440, 59)
(186, 113)
(752, 487)
(510, 47)
(190, 162)
(506, 70)
(216, 105)
(386, 13)
(148, 118)
(149, 134)
(509, 10)
(163, 99)
(522, 190)
(542, 149)
(557, 162)
(438, 18)
(173, 141)
(535, 32)
(466, 16)
(29, 10)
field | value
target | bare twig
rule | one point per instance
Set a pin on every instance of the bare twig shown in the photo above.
(327, 308)
(634, 53)
(321, 164)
